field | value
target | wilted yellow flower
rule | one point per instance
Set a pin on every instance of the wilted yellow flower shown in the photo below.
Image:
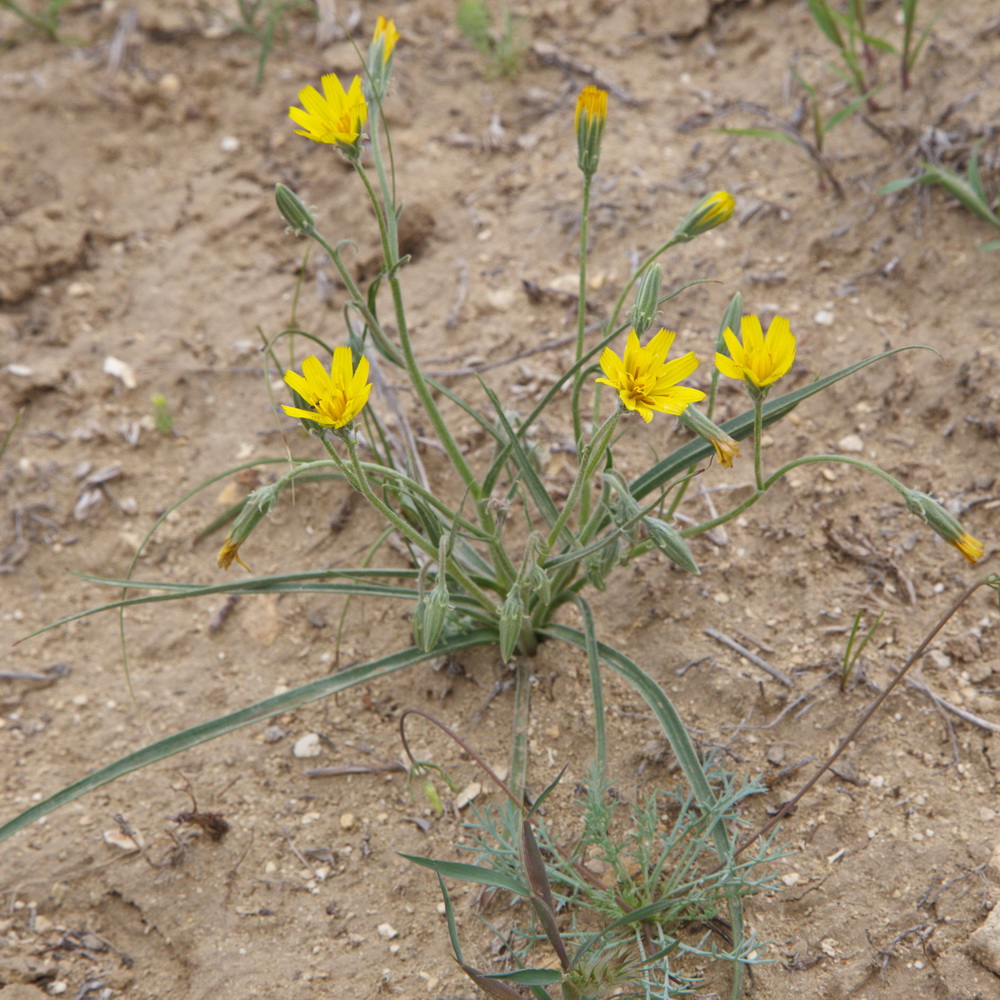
(724, 444)
(591, 113)
(336, 117)
(337, 398)
(256, 505)
(758, 360)
(944, 523)
(229, 552)
(971, 548)
(645, 380)
(386, 30)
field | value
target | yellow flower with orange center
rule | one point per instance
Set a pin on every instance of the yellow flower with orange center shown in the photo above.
(759, 360)
(336, 398)
(335, 117)
(645, 380)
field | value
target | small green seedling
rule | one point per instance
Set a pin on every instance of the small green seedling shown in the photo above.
(852, 655)
(502, 46)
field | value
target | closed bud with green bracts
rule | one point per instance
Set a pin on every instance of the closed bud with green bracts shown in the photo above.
(510, 616)
(670, 542)
(293, 211)
(933, 514)
(256, 505)
(647, 298)
(430, 615)
(711, 211)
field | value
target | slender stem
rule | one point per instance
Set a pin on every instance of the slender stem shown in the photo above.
(590, 457)
(758, 430)
(699, 529)
(412, 368)
(581, 309)
(866, 715)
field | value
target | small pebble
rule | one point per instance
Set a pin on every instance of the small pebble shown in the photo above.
(347, 821)
(851, 443)
(467, 794)
(229, 144)
(387, 931)
(307, 746)
(824, 317)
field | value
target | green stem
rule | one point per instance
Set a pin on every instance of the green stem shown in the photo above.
(758, 430)
(699, 529)
(581, 308)
(412, 368)
(590, 458)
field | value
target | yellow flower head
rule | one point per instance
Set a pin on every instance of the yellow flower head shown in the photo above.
(593, 104)
(386, 30)
(336, 117)
(645, 380)
(759, 360)
(336, 398)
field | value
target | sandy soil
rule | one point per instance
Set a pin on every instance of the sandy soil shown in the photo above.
(138, 225)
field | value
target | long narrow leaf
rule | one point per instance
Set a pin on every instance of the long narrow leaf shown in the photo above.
(471, 873)
(266, 709)
(519, 456)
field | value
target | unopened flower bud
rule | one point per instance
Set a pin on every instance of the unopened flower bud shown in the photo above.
(510, 616)
(711, 211)
(671, 543)
(294, 212)
(256, 505)
(725, 446)
(646, 299)
(591, 114)
(933, 514)
(430, 615)
(602, 562)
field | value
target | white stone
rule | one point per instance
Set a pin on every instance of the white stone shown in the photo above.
(307, 746)
(851, 443)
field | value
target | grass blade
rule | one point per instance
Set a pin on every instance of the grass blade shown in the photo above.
(266, 709)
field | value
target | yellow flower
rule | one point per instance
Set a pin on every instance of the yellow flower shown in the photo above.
(336, 398)
(759, 360)
(593, 103)
(386, 30)
(336, 117)
(645, 380)
(229, 552)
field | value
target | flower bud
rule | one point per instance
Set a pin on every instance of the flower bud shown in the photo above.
(380, 58)
(294, 212)
(671, 543)
(933, 514)
(647, 298)
(510, 616)
(256, 505)
(725, 447)
(591, 114)
(430, 615)
(711, 211)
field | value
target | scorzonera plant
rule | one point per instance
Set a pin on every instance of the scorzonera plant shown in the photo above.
(478, 575)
